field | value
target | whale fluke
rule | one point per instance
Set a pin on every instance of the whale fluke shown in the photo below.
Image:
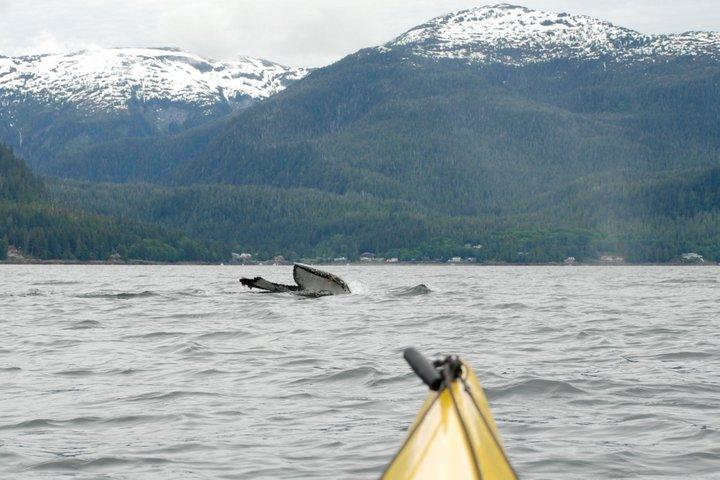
(310, 281)
(313, 280)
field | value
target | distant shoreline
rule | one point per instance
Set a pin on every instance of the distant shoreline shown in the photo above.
(354, 264)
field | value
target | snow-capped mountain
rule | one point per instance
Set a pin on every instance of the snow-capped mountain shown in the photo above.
(516, 35)
(110, 79)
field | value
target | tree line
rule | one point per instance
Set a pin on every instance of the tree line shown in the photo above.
(37, 228)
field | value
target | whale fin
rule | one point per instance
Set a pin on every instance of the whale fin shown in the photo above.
(314, 281)
(262, 284)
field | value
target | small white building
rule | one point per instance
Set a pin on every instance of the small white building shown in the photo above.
(241, 257)
(692, 258)
(367, 257)
(14, 254)
(612, 259)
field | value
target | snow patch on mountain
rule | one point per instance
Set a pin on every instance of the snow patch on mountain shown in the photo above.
(109, 79)
(516, 35)
(691, 44)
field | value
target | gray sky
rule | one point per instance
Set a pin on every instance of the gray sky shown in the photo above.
(294, 32)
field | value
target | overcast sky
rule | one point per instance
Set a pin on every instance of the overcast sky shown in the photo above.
(294, 32)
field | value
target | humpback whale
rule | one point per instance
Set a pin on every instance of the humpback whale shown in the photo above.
(310, 281)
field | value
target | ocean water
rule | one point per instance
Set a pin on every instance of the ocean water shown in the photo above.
(173, 372)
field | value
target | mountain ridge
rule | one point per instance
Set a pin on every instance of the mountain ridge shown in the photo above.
(516, 35)
(56, 104)
(108, 79)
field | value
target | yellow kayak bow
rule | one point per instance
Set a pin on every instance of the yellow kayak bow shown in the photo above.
(454, 436)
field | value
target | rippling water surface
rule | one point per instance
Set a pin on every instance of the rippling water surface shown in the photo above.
(179, 372)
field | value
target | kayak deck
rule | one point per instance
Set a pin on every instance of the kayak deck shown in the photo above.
(453, 437)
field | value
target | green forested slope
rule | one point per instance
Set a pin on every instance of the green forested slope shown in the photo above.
(380, 124)
(17, 182)
(38, 228)
(653, 219)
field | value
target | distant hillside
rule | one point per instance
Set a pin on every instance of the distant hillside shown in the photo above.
(537, 135)
(39, 230)
(658, 219)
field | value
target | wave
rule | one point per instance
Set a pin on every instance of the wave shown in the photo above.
(187, 292)
(150, 335)
(511, 306)
(682, 281)
(120, 295)
(138, 419)
(85, 421)
(50, 423)
(77, 464)
(35, 423)
(123, 371)
(76, 373)
(394, 379)
(352, 373)
(190, 292)
(535, 387)
(212, 371)
(685, 355)
(301, 361)
(170, 395)
(226, 335)
(348, 374)
(84, 324)
(192, 348)
(192, 316)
